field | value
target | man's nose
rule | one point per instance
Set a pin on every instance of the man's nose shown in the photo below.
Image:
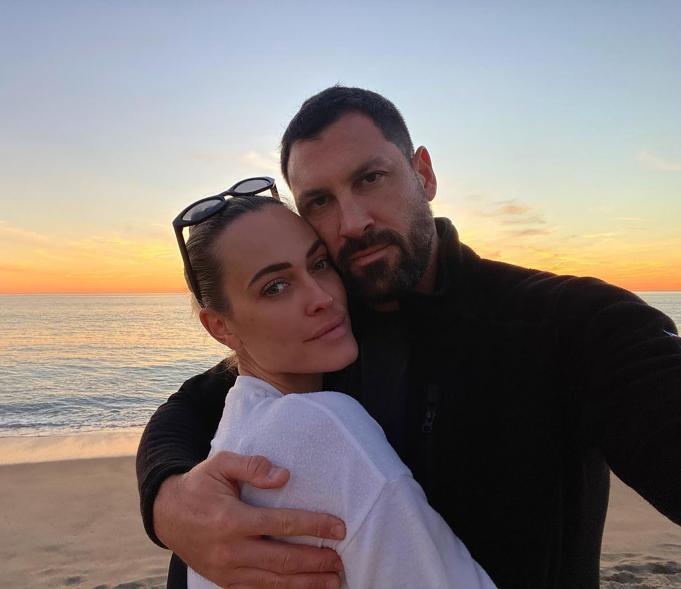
(319, 299)
(355, 218)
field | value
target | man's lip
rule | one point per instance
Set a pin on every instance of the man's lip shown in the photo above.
(330, 326)
(368, 251)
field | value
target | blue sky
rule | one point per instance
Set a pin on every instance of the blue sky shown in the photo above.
(563, 120)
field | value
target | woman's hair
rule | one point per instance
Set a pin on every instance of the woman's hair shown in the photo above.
(208, 270)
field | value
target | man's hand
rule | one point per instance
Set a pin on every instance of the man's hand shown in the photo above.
(199, 516)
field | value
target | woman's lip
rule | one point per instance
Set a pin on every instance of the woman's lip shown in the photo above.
(332, 330)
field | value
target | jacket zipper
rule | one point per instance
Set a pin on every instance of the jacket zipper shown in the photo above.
(431, 407)
(427, 430)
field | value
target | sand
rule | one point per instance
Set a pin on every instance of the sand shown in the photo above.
(641, 548)
(76, 524)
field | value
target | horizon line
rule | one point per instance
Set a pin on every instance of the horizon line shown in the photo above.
(175, 292)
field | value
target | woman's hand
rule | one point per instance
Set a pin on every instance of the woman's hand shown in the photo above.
(199, 516)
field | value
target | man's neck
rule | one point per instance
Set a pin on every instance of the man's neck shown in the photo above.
(429, 279)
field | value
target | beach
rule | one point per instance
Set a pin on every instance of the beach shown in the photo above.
(641, 548)
(76, 524)
(72, 409)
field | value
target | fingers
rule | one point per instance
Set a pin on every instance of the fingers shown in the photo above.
(255, 470)
(288, 559)
(291, 522)
(250, 578)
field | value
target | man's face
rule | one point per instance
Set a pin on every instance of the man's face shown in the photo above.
(368, 203)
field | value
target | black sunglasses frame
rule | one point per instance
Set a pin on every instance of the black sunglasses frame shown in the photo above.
(180, 223)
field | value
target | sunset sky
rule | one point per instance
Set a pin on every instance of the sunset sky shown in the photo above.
(555, 129)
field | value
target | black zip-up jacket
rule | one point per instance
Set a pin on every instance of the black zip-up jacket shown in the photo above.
(508, 392)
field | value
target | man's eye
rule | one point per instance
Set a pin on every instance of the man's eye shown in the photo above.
(274, 288)
(373, 177)
(318, 202)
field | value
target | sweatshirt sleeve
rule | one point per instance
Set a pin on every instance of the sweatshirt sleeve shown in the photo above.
(341, 463)
(404, 543)
(628, 356)
(178, 435)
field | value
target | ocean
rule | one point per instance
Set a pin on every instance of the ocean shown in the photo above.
(82, 363)
(77, 363)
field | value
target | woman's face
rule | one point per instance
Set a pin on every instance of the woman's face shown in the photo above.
(288, 309)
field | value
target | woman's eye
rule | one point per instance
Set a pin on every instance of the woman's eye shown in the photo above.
(274, 288)
(321, 264)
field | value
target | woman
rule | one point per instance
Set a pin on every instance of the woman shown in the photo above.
(268, 291)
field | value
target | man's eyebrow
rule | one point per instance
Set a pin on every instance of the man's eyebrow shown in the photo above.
(268, 270)
(312, 193)
(360, 170)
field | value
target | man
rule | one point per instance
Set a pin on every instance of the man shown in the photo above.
(507, 391)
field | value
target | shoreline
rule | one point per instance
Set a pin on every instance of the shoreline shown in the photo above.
(16, 450)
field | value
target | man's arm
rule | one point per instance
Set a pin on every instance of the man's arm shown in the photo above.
(192, 505)
(629, 359)
(178, 435)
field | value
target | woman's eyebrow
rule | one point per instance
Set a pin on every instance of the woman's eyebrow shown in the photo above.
(268, 270)
(315, 246)
(278, 267)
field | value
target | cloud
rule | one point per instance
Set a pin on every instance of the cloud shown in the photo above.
(524, 217)
(511, 207)
(524, 220)
(264, 162)
(12, 268)
(211, 157)
(529, 232)
(604, 235)
(123, 251)
(652, 161)
(258, 162)
(18, 232)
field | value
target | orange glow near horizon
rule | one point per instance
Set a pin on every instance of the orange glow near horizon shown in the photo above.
(154, 266)
(92, 265)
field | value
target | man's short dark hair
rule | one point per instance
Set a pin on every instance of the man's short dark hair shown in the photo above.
(325, 108)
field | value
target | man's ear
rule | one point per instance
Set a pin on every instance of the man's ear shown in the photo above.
(220, 328)
(424, 171)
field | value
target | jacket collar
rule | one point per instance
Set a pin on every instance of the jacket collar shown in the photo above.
(453, 260)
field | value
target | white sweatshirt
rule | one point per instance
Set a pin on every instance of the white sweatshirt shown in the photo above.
(341, 463)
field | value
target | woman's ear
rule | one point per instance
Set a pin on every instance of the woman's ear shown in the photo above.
(220, 328)
(424, 171)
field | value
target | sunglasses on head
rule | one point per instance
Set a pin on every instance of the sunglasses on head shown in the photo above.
(210, 206)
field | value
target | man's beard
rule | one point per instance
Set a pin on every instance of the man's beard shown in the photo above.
(378, 282)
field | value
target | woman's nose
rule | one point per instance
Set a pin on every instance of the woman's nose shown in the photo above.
(319, 299)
